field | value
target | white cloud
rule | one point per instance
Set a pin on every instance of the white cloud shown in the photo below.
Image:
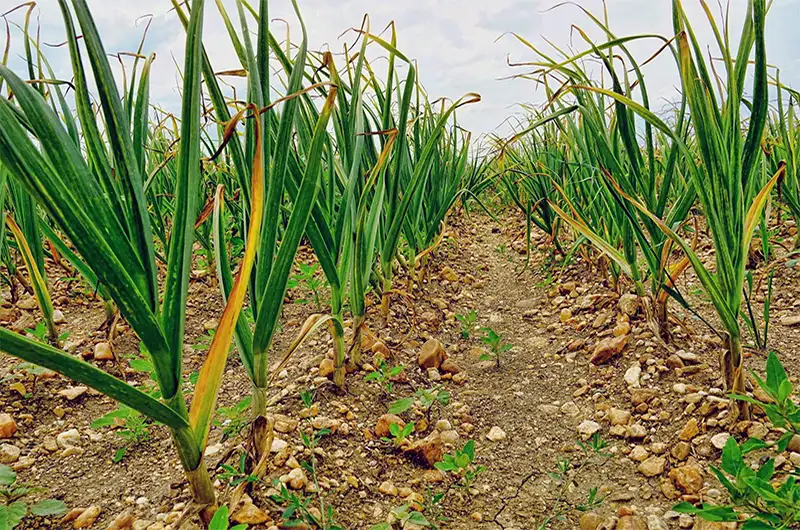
(455, 41)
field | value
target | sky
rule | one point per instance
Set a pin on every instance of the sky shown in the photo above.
(460, 45)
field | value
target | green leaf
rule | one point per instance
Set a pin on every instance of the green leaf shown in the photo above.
(732, 457)
(469, 450)
(220, 519)
(753, 444)
(48, 507)
(766, 471)
(7, 475)
(776, 375)
(401, 405)
(11, 515)
(83, 372)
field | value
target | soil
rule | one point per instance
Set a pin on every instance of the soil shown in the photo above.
(543, 389)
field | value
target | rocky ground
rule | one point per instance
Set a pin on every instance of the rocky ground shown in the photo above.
(559, 441)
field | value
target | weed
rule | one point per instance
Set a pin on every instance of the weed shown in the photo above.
(405, 516)
(398, 434)
(233, 419)
(220, 521)
(237, 475)
(13, 508)
(494, 341)
(298, 511)
(461, 464)
(467, 321)
(383, 376)
(757, 495)
(568, 476)
(308, 277)
(426, 398)
(133, 429)
(40, 333)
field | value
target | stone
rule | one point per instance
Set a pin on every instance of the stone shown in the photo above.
(619, 417)
(121, 522)
(70, 438)
(757, 430)
(74, 392)
(9, 453)
(103, 352)
(381, 348)
(326, 367)
(719, 440)
(570, 409)
(249, 513)
(427, 452)
(58, 317)
(642, 395)
(674, 362)
(72, 451)
(688, 478)
(637, 431)
(590, 521)
(681, 450)
(638, 454)
(690, 430)
(623, 328)
(655, 522)
(629, 304)
(50, 444)
(608, 348)
(432, 354)
(284, 424)
(87, 518)
(8, 315)
(278, 445)
(794, 444)
(28, 303)
(565, 315)
(297, 479)
(385, 421)
(631, 522)
(653, 466)
(449, 275)
(387, 488)
(450, 367)
(8, 427)
(587, 428)
(790, 321)
(450, 436)
(632, 375)
(496, 434)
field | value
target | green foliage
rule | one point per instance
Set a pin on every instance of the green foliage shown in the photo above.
(424, 397)
(237, 475)
(404, 515)
(220, 521)
(233, 420)
(308, 278)
(756, 490)
(132, 427)
(13, 508)
(467, 322)
(40, 333)
(494, 341)
(384, 374)
(398, 434)
(297, 510)
(461, 464)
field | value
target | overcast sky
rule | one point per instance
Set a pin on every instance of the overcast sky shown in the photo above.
(460, 45)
